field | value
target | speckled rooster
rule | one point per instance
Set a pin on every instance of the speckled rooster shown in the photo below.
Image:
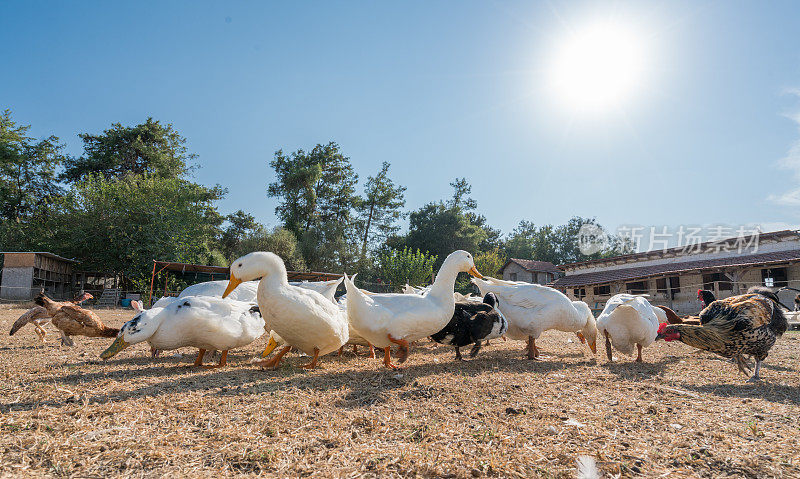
(747, 324)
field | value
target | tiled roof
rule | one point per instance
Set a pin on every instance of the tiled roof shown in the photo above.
(625, 274)
(531, 265)
(713, 245)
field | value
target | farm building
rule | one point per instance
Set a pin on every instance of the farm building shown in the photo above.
(672, 276)
(26, 273)
(538, 272)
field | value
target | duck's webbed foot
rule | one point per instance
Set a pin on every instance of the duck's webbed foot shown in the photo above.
(476, 348)
(387, 358)
(403, 348)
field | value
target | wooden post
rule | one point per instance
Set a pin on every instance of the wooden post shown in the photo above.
(152, 279)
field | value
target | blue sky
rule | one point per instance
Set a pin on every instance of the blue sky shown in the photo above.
(440, 90)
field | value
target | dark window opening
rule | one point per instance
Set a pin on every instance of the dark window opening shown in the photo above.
(513, 276)
(721, 279)
(602, 290)
(579, 292)
(674, 285)
(774, 277)
(637, 287)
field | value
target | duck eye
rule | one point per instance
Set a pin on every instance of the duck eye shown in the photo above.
(240, 265)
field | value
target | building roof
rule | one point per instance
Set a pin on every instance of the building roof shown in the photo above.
(201, 268)
(43, 253)
(709, 245)
(626, 274)
(534, 266)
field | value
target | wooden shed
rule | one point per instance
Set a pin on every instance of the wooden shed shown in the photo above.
(25, 273)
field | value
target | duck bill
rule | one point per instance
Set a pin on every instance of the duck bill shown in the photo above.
(271, 345)
(474, 272)
(232, 284)
(593, 346)
(118, 345)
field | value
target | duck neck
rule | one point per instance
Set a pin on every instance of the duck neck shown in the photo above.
(275, 274)
(445, 281)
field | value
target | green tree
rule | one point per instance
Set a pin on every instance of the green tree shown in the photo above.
(440, 230)
(122, 225)
(558, 244)
(240, 225)
(398, 267)
(28, 182)
(316, 192)
(487, 263)
(443, 227)
(461, 199)
(379, 209)
(279, 241)
(148, 148)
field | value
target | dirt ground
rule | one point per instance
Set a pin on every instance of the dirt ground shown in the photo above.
(683, 413)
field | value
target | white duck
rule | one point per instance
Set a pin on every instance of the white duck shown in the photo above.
(532, 309)
(354, 338)
(386, 319)
(203, 322)
(325, 288)
(304, 318)
(628, 320)
(247, 291)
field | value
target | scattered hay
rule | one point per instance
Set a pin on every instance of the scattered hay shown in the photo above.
(684, 413)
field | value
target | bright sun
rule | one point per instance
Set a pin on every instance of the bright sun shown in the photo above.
(598, 67)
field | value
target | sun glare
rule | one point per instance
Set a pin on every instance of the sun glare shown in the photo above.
(598, 67)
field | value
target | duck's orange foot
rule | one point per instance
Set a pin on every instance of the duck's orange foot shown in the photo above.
(403, 348)
(273, 362)
(387, 358)
(313, 363)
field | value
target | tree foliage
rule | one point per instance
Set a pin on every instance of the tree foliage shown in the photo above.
(316, 192)
(240, 225)
(443, 227)
(148, 148)
(279, 241)
(123, 225)
(379, 209)
(27, 171)
(398, 267)
(558, 244)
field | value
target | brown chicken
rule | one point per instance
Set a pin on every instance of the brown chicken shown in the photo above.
(72, 320)
(38, 316)
(747, 324)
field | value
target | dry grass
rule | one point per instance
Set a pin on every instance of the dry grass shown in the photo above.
(686, 414)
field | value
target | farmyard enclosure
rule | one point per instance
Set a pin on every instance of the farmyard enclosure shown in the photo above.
(683, 413)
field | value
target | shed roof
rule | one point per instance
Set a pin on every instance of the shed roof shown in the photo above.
(43, 253)
(625, 274)
(532, 265)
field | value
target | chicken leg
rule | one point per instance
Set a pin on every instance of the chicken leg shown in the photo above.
(755, 377)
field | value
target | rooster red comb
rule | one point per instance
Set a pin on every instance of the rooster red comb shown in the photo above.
(662, 327)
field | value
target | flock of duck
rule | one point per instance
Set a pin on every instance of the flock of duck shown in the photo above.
(259, 299)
